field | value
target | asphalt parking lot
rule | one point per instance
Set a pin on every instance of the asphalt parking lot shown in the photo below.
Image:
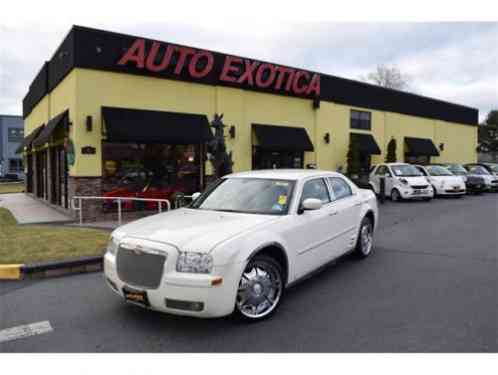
(430, 286)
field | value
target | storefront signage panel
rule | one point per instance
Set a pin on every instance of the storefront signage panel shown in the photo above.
(200, 65)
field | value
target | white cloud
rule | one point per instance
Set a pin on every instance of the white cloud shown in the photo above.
(450, 61)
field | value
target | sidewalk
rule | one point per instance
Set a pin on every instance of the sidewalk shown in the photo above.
(27, 210)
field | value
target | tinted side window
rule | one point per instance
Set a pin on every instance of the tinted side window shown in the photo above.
(340, 187)
(316, 189)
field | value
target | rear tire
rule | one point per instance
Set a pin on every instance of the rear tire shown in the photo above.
(364, 243)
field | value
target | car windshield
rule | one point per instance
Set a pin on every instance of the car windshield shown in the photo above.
(477, 169)
(436, 170)
(493, 167)
(456, 169)
(406, 170)
(248, 195)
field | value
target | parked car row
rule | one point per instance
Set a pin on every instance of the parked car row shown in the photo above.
(408, 181)
(251, 235)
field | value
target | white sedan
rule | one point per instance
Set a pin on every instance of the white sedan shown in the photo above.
(443, 181)
(241, 243)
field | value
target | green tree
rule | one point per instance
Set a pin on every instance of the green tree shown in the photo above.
(391, 151)
(488, 133)
(353, 158)
(492, 118)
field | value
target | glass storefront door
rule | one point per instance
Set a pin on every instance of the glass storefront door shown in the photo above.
(273, 159)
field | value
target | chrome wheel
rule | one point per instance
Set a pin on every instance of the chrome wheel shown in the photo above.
(260, 289)
(366, 238)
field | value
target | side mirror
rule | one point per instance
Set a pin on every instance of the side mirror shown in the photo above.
(312, 204)
(195, 196)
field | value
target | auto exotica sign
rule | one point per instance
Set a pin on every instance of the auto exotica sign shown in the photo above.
(198, 65)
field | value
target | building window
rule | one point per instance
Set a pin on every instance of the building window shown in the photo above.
(361, 120)
(158, 171)
(15, 134)
(15, 165)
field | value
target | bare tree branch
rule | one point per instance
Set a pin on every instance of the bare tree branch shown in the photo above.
(388, 76)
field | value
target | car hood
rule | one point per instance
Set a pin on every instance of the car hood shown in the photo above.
(193, 229)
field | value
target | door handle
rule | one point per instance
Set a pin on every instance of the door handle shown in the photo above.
(333, 213)
(358, 204)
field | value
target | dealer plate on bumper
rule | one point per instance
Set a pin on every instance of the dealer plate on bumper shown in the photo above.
(138, 297)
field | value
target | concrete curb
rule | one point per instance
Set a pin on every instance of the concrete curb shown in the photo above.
(51, 269)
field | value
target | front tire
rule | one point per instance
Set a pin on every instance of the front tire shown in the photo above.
(364, 243)
(261, 289)
(396, 195)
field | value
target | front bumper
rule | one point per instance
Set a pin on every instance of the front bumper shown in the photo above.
(475, 187)
(184, 289)
(451, 191)
(410, 193)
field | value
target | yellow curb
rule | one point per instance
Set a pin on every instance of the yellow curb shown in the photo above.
(10, 271)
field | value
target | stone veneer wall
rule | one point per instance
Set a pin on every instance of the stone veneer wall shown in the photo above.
(87, 186)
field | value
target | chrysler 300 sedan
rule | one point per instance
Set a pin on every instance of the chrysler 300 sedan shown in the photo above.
(241, 243)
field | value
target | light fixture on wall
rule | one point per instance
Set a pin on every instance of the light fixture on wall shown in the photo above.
(231, 131)
(89, 124)
(326, 138)
(441, 146)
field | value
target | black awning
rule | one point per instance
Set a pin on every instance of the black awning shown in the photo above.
(280, 138)
(60, 120)
(366, 143)
(125, 125)
(28, 140)
(420, 147)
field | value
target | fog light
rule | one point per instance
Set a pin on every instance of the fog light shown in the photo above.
(184, 305)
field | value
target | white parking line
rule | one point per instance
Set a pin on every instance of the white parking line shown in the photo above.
(27, 330)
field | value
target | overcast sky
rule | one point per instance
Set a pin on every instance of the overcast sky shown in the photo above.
(457, 62)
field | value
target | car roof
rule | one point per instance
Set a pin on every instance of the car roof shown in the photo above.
(284, 174)
(392, 164)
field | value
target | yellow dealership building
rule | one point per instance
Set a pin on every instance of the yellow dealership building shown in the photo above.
(120, 114)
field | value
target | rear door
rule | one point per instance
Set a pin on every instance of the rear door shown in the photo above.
(346, 207)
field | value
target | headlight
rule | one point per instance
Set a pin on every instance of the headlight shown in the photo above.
(403, 181)
(112, 246)
(194, 262)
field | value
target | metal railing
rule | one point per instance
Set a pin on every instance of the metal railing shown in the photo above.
(80, 199)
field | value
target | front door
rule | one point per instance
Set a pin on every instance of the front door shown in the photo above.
(310, 234)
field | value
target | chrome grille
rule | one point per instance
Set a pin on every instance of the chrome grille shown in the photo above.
(140, 268)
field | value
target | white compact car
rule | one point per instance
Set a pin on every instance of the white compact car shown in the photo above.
(402, 181)
(443, 181)
(240, 243)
